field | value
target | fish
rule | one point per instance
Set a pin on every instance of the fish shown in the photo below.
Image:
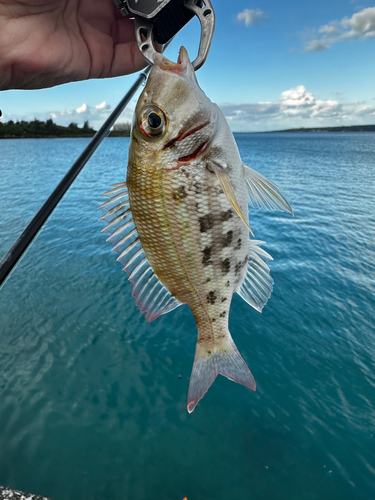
(180, 222)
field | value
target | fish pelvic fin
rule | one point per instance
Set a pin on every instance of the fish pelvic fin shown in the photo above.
(222, 358)
(226, 185)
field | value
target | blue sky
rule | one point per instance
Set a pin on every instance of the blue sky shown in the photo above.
(272, 65)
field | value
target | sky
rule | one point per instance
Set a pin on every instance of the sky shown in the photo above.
(273, 65)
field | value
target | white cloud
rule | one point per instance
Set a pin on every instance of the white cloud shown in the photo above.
(327, 108)
(329, 29)
(103, 105)
(317, 46)
(249, 16)
(96, 115)
(82, 109)
(365, 111)
(296, 98)
(297, 107)
(360, 26)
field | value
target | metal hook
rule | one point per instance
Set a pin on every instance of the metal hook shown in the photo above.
(206, 16)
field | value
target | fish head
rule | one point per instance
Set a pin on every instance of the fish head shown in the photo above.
(174, 120)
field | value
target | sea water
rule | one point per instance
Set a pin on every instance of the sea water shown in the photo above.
(93, 398)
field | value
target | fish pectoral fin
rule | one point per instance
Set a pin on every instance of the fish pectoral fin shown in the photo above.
(226, 185)
(257, 284)
(222, 358)
(151, 296)
(263, 193)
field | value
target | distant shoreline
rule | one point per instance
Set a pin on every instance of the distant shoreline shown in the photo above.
(87, 136)
(351, 128)
(37, 129)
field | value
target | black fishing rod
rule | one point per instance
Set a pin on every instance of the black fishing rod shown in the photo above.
(153, 23)
(16, 251)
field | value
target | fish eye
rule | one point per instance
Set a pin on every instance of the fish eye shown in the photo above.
(153, 121)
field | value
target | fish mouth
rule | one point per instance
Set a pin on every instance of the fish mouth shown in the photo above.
(182, 66)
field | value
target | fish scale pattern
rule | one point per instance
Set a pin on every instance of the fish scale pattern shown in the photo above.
(150, 295)
(195, 242)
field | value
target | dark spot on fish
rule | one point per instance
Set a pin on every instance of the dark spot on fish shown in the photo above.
(208, 352)
(206, 223)
(228, 283)
(206, 261)
(238, 246)
(240, 265)
(208, 279)
(227, 240)
(198, 188)
(225, 266)
(223, 314)
(179, 194)
(223, 299)
(213, 319)
(226, 215)
(211, 297)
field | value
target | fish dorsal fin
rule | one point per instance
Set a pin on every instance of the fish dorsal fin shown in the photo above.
(257, 284)
(226, 185)
(263, 193)
(152, 298)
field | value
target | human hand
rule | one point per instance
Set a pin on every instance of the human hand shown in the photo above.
(48, 42)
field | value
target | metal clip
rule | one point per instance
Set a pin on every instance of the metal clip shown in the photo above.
(204, 12)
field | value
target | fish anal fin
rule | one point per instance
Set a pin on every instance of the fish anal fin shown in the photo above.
(222, 358)
(226, 185)
(257, 284)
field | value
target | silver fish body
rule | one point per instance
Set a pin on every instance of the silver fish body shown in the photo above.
(183, 233)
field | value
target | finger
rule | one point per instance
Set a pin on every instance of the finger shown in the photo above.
(127, 59)
(124, 30)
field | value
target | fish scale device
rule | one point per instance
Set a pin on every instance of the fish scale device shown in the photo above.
(158, 21)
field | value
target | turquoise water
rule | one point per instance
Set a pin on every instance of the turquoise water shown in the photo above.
(91, 403)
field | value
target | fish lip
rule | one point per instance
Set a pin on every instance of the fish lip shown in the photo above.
(180, 67)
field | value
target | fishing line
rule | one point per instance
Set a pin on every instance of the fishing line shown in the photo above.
(22, 243)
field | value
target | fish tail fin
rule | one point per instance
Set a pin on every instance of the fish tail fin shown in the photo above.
(221, 357)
